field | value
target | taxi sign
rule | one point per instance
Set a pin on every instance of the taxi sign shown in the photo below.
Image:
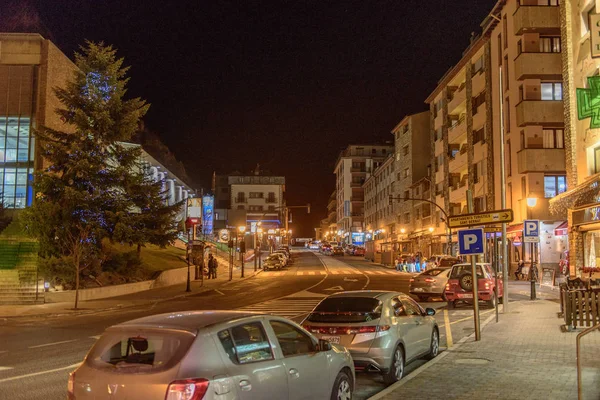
(484, 218)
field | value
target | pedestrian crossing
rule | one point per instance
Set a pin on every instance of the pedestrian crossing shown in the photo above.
(287, 307)
(267, 274)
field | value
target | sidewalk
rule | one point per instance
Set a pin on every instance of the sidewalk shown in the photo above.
(524, 356)
(133, 299)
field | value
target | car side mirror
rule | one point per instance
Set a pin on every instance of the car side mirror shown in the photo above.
(323, 345)
(430, 311)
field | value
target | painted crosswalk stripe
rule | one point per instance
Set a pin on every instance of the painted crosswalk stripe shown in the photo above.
(323, 272)
(311, 272)
(334, 272)
(285, 307)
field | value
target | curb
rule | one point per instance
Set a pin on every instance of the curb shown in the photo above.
(98, 310)
(416, 372)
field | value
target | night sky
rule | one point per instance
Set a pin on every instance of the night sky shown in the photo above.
(284, 84)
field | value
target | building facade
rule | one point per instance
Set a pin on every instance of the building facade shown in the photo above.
(580, 31)
(354, 166)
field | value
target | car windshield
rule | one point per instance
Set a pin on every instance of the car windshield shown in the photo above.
(346, 309)
(458, 270)
(139, 352)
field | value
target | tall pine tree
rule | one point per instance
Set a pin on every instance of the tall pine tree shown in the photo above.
(93, 188)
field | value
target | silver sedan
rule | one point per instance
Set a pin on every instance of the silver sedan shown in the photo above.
(430, 283)
(212, 355)
(384, 331)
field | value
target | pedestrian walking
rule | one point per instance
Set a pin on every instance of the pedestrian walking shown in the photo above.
(210, 266)
(215, 265)
(519, 271)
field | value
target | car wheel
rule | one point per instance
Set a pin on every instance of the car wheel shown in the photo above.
(444, 297)
(452, 305)
(492, 301)
(396, 370)
(466, 282)
(434, 349)
(342, 387)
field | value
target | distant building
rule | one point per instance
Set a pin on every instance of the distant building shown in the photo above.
(354, 165)
(380, 220)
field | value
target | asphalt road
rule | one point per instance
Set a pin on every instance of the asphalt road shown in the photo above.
(36, 354)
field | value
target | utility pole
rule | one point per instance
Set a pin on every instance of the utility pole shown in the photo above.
(503, 198)
(474, 277)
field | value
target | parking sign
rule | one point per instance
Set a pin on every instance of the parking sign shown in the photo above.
(471, 242)
(531, 231)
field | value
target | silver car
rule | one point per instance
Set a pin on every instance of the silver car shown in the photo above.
(430, 283)
(212, 355)
(384, 331)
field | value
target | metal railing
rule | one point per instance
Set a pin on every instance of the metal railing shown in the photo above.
(578, 350)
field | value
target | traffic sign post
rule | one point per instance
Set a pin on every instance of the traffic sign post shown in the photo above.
(471, 242)
(484, 218)
(531, 235)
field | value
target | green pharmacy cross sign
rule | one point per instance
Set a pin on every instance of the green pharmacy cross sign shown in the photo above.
(588, 102)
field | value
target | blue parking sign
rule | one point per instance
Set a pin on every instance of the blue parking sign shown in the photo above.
(471, 242)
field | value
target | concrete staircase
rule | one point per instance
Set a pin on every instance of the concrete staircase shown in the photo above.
(18, 272)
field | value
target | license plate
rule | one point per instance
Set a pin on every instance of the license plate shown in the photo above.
(332, 339)
(466, 295)
(417, 289)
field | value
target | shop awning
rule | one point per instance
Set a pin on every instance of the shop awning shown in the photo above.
(562, 229)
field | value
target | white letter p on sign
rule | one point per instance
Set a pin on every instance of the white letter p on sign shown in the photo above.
(469, 240)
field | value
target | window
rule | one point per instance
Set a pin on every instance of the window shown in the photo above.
(241, 198)
(417, 214)
(505, 31)
(549, 44)
(406, 172)
(553, 138)
(291, 340)
(551, 90)
(507, 115)
(405, 150)
(255, 208)
(241, 207)
(374, 151)
(256, 195)
(478, 66)
(271, 208)
(554, 185)
(246, 343)
(506, 74)
(509, 195)
(499, 49)
(479, 204)
(410, 307)
(479, 135)
(508, 159)
(406, 194)
(407, 218)
(523, 187)
(478, 101)
(346, 310)
(478, 172)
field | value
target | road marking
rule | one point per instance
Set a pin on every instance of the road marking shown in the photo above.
(311, 272)
(323, 272)
(336, 288)
(51, 344)
(448, 329)
(218, 291)
(95, 337)
(5, 368)
(335, 272)
(49, 371)
(285, 307)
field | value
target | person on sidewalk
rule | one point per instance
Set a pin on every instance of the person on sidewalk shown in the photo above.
(210, 266)
(215, 265)
(519, 271)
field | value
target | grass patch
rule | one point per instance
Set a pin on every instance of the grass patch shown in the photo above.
(156, 259)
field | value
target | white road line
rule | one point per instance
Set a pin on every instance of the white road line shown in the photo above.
(5, 368)
(49, 371)
(51, 344)
(311, 272)
(335, 272)
(323, 272)
(218, 291)
(95, 337)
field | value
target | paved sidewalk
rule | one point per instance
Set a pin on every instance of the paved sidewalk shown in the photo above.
(524, 356)
(133, 299)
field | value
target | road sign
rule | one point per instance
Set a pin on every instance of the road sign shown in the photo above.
(531, 231)
(492, 229)
(471, 242)
(491, 217)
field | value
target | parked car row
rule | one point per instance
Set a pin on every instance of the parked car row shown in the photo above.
(241, 355)
(278, 259)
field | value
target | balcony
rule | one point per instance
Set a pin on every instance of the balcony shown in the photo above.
(478, 82)
(356, 184)
(458, 193)
(358, 170)
(439, 147)
(456, 133)
(357, 198)
(540, 112)
(538, 66)
(459, 162)
(439, 175)
(480, 151)
(537, 19)
(541, 160)
(241, 200)
(479, 117)
(457, 99)
(438, 121)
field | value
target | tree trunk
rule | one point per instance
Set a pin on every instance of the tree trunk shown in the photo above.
(76, 281)
(139, 251)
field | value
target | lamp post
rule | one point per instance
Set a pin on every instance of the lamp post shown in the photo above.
(260, 232)
(531, 203)
(242, 229)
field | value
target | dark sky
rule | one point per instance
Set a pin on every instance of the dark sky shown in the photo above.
(284, 84)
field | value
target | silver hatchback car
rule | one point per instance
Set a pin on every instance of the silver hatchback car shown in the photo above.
(384, 331)
(212, 355)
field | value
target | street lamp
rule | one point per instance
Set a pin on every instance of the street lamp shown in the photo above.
(402, 230)
(431, 229)
(531, 202)
(242, 229)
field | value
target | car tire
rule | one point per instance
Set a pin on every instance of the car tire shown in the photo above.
(396, 370)
(444, 297)
(493, 301)
(342, 387)
(466, 282)
(434, 347)
(452, 305)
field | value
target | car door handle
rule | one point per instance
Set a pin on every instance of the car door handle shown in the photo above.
(294, 373)
(245, 385)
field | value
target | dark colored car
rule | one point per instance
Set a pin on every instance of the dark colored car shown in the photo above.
(337, 251)
(460, 285)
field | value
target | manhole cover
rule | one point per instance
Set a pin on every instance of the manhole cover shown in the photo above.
(472, 361)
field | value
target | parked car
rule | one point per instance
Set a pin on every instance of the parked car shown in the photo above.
(442, 261)
(350, 249)
(460, 284)
(337, 251)
(272, 262)
(429, 283)
(281, 256)
(212, 355)
(283, 253)
(325, 248)
(359, 251)
(384, 331)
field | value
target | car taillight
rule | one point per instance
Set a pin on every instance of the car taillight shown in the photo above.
(412, 280)
(71, 387)
(447, 286)
(487, 286)
(346, 330)
(429, 280)
(187, 389)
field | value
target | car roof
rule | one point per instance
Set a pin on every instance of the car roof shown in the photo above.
(469, 264)
(364, 293)
(190, 321)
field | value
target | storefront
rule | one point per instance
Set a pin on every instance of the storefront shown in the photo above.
(586, 224)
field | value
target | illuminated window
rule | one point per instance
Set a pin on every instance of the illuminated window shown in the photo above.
(554, 185)
(551, 90)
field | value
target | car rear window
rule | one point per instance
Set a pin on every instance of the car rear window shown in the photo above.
(140, 351)
(458, 270)
(432, 272)
(346, 309)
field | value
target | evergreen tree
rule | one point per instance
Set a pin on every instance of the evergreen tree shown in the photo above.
(81, 197)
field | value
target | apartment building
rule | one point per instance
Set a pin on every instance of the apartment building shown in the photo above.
(461, 139)
(412, 167)
(527, 106)
(353, 167)
(380, 220)
(580, 31)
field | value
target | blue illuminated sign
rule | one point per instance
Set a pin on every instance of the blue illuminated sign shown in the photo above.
(207, 214)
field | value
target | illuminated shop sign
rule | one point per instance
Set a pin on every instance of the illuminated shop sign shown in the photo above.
(586, 215)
